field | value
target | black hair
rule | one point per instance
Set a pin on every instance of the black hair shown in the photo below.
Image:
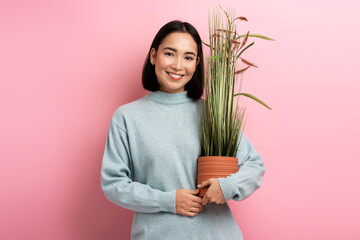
(195, 86)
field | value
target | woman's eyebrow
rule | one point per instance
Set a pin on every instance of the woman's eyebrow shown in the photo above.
(173, 49)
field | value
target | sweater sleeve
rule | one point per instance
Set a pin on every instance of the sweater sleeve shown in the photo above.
(242, 184)
(117, 178)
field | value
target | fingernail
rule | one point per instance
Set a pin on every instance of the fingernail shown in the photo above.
(198, 185)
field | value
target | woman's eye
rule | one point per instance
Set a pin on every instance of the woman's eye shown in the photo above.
(189, 58)
(169, 54)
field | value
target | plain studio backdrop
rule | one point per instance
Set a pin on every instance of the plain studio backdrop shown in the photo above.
(65, 66)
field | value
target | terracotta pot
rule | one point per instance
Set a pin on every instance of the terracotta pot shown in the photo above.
(215, 167)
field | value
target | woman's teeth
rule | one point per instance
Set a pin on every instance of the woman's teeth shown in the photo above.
(174, 75)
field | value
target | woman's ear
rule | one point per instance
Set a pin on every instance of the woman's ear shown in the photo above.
(152, 56)
(198, 60)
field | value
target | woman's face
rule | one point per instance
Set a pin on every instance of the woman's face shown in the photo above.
(175, 61)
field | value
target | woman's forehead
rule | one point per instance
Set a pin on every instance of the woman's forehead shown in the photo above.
(179, 41)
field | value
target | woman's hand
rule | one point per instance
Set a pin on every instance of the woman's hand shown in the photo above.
(214, 194)
(187, 203)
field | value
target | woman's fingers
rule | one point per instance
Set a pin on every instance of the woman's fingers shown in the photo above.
(214, 194)
(193, 212)
(196, 209)
(196, 199)
(192, 191)
(190, 214)
(197, 205)
(187, 203)
(205, 183)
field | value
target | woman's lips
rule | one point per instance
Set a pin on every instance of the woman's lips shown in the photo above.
(175, 76)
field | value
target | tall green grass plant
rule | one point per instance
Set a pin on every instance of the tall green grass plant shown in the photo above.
(223, 120)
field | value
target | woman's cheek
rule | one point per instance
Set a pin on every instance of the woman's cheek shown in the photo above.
(193, 68)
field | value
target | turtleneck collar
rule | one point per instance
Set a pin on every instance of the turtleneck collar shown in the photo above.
(169, 98)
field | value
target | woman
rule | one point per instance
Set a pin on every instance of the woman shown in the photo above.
(150, 159)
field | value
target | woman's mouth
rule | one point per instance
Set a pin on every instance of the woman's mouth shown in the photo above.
(175, 76)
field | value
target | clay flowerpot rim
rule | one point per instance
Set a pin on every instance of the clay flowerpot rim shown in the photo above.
(214, 157)
(217, 163)
(217, 159)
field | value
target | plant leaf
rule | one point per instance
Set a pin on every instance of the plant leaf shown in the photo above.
(242, 70)
(235, 42)
(245, 39)
(257, 36)
(205, 43)
(245, 49)
(241, 18)
(247, 62)
(212, 57)
(224, 30)
(254, 98)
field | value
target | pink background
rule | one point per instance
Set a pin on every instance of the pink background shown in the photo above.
(65, 66)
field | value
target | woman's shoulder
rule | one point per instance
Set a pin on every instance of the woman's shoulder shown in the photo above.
(131, 108)
(200, 104)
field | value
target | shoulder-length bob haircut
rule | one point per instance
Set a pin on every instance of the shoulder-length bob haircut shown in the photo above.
(195, 86)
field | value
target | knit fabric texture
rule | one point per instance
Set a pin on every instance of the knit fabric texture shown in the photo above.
(151, 151)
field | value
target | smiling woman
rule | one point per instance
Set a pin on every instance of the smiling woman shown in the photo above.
(175, 61)
(176, 50)
(150, 159)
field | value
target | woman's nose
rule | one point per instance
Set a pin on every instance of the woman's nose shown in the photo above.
(177, 64)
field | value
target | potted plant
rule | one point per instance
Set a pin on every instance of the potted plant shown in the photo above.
(222, 120)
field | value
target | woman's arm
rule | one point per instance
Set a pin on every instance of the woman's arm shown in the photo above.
(242, 184)
(117, 179)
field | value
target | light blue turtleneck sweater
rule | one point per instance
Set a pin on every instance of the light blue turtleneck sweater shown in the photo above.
(151, 151)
